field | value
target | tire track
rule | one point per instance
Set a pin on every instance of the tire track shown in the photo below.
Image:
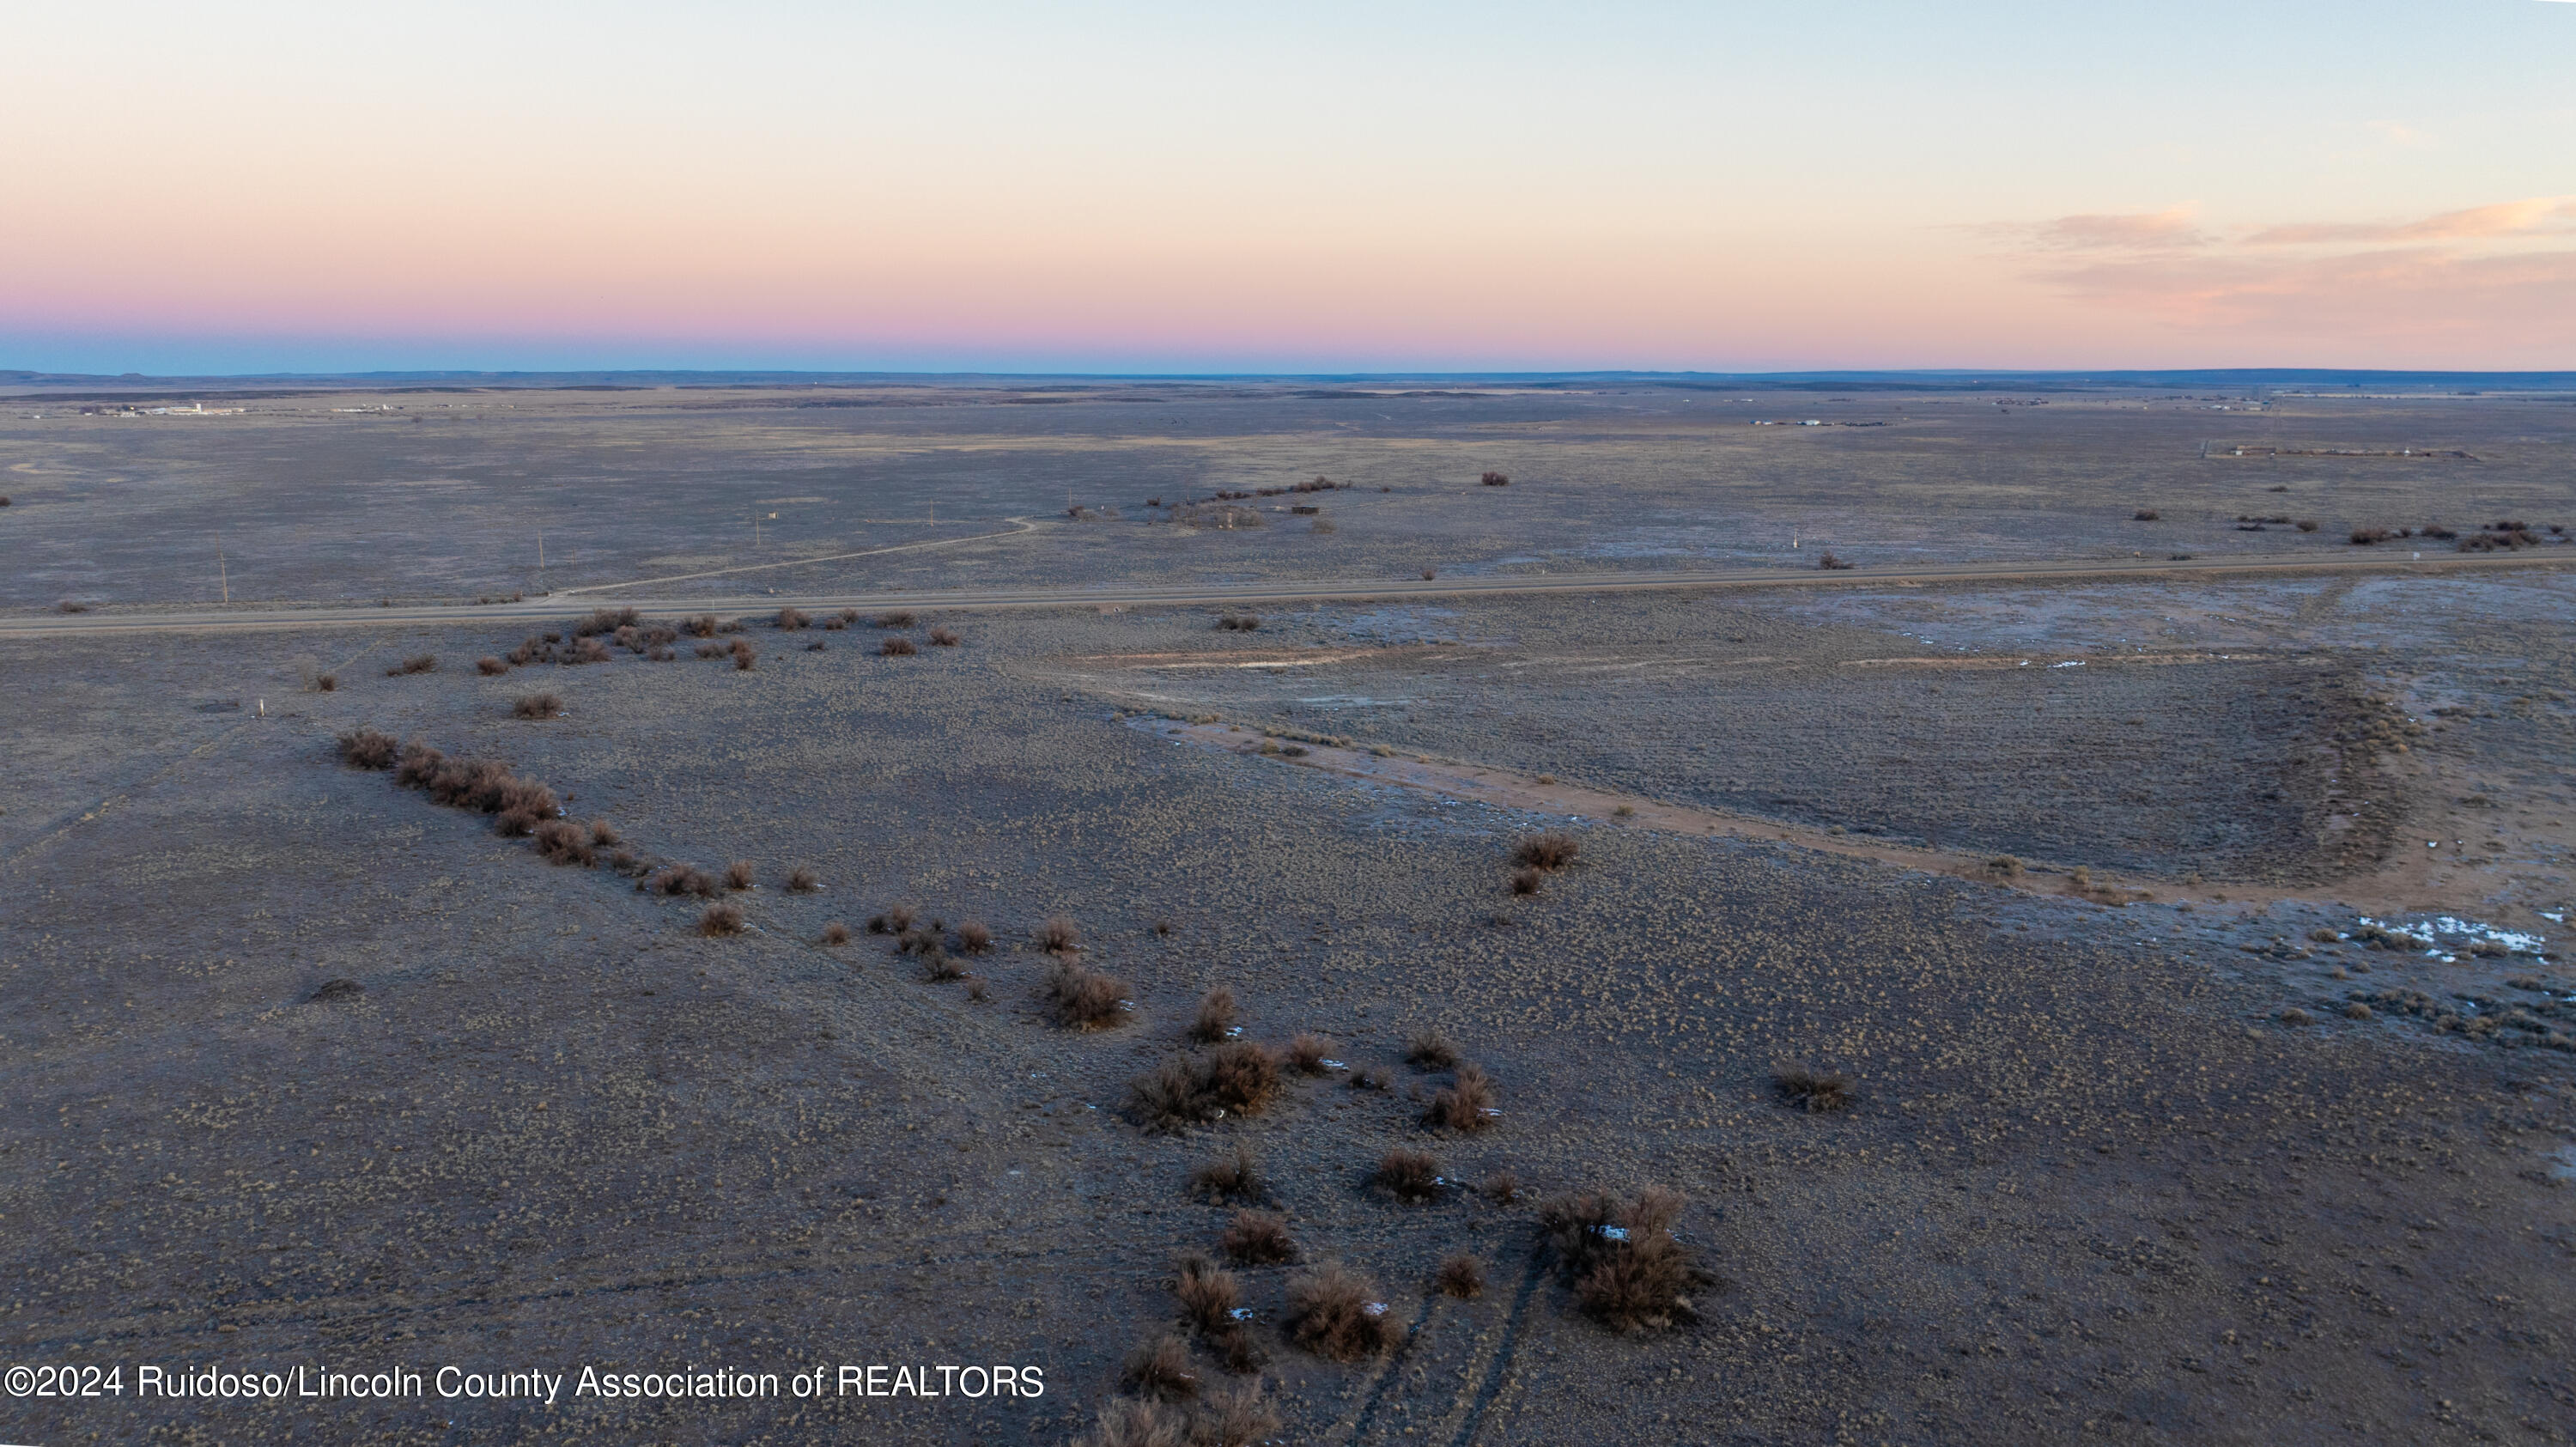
(1500, 1369)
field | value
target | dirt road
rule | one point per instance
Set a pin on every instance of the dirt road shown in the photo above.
(536, 610)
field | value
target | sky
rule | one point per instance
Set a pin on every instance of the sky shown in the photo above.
(1321, 187)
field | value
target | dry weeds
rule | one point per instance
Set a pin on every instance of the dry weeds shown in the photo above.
(1336, 1313)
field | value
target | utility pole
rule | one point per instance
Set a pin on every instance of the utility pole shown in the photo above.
(755, 530)
(222, 575)
(541, 562)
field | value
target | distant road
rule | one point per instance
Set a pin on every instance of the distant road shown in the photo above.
(250, 618)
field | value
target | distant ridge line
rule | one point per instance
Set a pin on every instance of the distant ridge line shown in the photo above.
(27, 384)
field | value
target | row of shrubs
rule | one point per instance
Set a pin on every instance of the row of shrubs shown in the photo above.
(525, 808)
(2490, 537)
(1320, 484)
(624, 628)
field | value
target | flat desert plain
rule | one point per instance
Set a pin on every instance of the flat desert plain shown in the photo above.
(2127, 1007)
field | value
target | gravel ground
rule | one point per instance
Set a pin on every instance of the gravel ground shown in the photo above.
(2093, 1186)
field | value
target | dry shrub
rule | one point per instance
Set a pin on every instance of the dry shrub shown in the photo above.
(792, 619)
(974, 936)
(1059, 935)
(1235, 1176)
(940, 966)
(1495, 479)
(368, 749)
(560, 841)
(1239, 622)
(1258, 1238)
(1431, 1050)
(738, 875)
(1236, 1078)
(418, 764)
(710, 649)
(516, 822)
(1336, 1313)
(836, 933)
(1467, 1106)
(538, 705)
(490, 667)
(605, 620)
(1129, 1422)
(2145, 515)
(943, 638)
(1207, 1293)
(847, 616)
(803, 880)
(327, 683)
(1234, 1416)
(899, 618)
(898, 647)
(1215, 1018)
(605, 834)
(745, 657)
(1812, 1089)
(724, 917)
(1830, 563)
(1430, 573)
(1307, 1053)
(1161, 1369)
(1502, 1188)
(589, 650)
(678, 879)
(1554, 849)
(1166, 1100)
(1241, 1077)
(1412, 1177)
(417, 663)
(1527, 881)
(1085, 999)
(2004, 866)
(896, 919)
(1461, 1276)
(1627, 1269)
(1366, 1078)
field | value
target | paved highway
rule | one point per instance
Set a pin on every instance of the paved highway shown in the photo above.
(271, 618)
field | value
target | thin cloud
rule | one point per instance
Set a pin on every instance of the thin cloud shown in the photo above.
(2173, 228)
(2509, 218)
(2484, 276)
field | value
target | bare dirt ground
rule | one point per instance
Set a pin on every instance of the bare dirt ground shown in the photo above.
(2096, 1183)
(446, 496)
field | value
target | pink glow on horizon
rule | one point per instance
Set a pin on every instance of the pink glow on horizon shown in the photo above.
(1155, 186)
